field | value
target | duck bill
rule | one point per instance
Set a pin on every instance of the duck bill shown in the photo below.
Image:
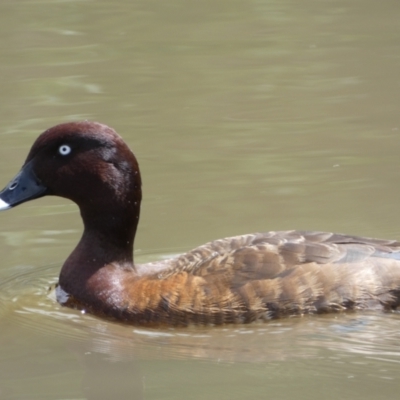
(24, 187)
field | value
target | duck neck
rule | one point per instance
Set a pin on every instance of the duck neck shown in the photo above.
(111, 230)
(107, 243)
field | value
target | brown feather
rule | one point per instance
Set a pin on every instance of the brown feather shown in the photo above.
(262, 276)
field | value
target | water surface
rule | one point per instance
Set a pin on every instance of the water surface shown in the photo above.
(245, 116)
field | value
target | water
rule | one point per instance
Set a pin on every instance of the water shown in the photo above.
(245, 116)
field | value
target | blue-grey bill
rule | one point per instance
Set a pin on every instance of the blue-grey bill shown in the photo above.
(24, 187)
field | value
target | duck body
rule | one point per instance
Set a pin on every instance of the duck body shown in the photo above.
(233, 280)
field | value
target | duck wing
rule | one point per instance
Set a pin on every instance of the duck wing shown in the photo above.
(294, 272)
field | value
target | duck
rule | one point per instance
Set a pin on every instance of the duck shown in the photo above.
(240, 279)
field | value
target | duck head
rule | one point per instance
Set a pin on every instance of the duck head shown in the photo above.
(90, 164)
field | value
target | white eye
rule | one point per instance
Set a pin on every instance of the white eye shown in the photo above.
(64, 149)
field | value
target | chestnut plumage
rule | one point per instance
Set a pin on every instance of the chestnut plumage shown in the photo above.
(233, 280)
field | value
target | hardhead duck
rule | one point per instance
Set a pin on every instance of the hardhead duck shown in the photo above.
(232, 280)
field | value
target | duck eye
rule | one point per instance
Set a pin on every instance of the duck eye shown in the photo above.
(64, 149)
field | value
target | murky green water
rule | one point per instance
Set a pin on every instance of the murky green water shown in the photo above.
(245, 116)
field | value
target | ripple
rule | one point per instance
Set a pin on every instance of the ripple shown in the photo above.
(27, 301)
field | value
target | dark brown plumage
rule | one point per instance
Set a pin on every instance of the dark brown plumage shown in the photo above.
(233, 280)
(267, 275)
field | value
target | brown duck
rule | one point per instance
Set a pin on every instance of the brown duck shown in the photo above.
(233, 280)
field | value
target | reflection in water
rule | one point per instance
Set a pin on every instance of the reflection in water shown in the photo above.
(34, 307)
(107, 377)
(111, 360)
